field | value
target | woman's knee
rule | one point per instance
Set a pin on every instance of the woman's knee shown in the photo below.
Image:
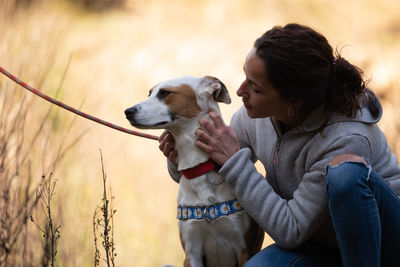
(344, 173)
(270, 256)
(307, 255)
(339, 159)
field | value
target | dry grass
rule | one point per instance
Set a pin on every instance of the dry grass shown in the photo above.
(103, 224)
(22, 140)
(118, 55)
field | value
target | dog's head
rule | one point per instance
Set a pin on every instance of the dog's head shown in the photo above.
(177, 101)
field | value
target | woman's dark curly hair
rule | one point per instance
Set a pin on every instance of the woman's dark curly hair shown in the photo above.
(301, 65)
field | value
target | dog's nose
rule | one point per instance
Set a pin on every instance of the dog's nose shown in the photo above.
(130, 112)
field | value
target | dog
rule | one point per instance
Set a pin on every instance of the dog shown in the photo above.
(214, 229)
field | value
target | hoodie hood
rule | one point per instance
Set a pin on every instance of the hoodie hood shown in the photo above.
(371, 113)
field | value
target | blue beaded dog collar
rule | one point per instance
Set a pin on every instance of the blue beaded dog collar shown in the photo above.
(209, 213)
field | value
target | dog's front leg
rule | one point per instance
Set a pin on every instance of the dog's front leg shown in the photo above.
(191, 261)
(194, 255)
(192, 239)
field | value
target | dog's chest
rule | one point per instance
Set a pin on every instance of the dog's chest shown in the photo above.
(207, 189)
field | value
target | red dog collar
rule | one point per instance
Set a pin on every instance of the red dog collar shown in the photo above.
(198, 170)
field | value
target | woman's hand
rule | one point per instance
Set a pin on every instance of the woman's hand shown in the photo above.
(167, 146)
(219, 141)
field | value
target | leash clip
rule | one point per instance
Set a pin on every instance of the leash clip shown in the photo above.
(206, 214)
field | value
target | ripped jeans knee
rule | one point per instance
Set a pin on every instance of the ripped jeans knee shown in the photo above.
(346, 158)
(346, 172)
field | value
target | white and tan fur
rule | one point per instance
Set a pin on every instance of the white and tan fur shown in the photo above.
(176, 105)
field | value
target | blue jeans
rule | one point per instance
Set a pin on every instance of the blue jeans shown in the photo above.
(366, 216)
(307, 255)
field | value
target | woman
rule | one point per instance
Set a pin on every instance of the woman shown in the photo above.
(330, 195)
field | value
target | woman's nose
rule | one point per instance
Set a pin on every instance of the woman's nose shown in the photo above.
(241, 91)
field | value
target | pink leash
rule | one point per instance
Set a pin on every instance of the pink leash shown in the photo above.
(78, 112)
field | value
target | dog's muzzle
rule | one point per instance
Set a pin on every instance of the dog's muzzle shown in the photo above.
(133, 117)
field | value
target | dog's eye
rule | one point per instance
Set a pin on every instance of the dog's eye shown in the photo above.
(163, 93)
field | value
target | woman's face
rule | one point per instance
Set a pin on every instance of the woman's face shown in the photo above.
(258, 95)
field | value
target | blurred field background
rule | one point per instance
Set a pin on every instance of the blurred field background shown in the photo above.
(105, 55)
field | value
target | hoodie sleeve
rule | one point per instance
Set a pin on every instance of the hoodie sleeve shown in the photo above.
(240, 125)
(289, 222)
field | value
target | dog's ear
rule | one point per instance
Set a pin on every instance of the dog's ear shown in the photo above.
(211, 86)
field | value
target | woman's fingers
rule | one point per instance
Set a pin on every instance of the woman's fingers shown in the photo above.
(204, 138)
(162, 136)
(173, 155)
(167, 146)
(219, 123)
(219, 141)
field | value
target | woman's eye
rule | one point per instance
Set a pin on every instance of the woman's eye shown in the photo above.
(254, 87)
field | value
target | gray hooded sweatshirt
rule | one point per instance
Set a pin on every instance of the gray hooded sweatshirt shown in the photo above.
(290, 202)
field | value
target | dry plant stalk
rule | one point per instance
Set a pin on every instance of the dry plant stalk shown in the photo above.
(51, 233)
(105, 223)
